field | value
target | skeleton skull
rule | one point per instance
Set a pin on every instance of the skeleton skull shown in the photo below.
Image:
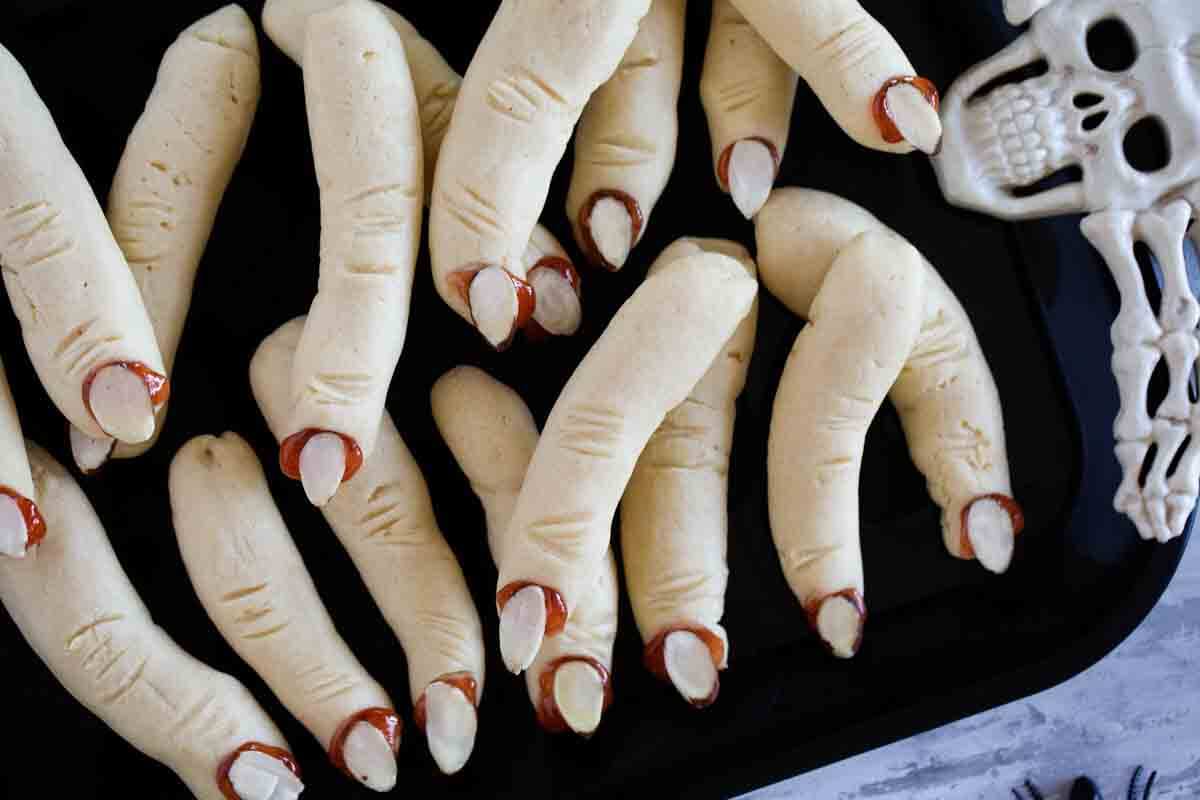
(999, 145)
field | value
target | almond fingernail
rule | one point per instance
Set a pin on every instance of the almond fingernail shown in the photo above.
(365, 748)
(321, 460)
(906, 110)
(556, 285)
(990, 526)
(259, 772)
(611, 222)
(839, 619)
(122, 396)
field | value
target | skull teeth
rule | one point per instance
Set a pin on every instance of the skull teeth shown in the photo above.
(1019, 132)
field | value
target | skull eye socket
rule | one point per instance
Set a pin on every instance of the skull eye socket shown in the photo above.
(1147, 145)
(1111, 45)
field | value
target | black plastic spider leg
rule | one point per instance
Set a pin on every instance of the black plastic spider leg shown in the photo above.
(1034, 791)
(1150, 785)
(1085, 789)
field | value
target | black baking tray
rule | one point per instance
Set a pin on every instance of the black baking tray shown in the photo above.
(945, 640)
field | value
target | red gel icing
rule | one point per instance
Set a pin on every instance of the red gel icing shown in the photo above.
(1004, 501)
(463, 681)
(556, 608)
(636, 217)
(35, 526)
(813, 609)
(289, 453)
(655, 659)
(883, 114)
(383, 720)
(548, 715)
(278, 753)
(157, 385)
(723, 161)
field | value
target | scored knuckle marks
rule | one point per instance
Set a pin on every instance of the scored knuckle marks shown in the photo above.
(595, 431)
(859, 40)
(564, 538)
(33, 234)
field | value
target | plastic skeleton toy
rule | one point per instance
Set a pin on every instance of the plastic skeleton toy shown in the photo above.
(1005, 137)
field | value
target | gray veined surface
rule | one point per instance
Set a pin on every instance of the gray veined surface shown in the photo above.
(1137, 706)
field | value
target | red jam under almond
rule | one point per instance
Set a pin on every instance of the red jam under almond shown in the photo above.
(883, 114)
(534, 332)
(637, 220)
(526, 297)
(723, 161)
(654, 657)
(35, 526)
(556, 607)
(383, 720)
(157, 385)
(289, 453)
(463, 681)
(1015, 512)
(812, 610)
(277, 753)
(548, 715)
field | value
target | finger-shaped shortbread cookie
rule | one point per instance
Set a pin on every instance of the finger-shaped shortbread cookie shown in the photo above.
(384, 518)
(253, 584)
(21, 523)
(75, 606)
(362, 115)
(856, 69)
(548, 267)
(748, 93)
(626, 140)
(946, 396)
(492, 436)
(536, 68)
(862, 328)
(85, 327)
(674, 516)
(655, 349)
(173, 173)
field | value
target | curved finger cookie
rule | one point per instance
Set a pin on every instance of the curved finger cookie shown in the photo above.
(384, 518)
(856, 69)
(748, 93)
(550, 274)
(177, 163)
(77, 609)
(252, 582)
(654, 351)
(520, 100)
(626, 140)
(367, 149)
(492, 436)
(862, 327)
(82, 318)
(945, 395)
(674, 517)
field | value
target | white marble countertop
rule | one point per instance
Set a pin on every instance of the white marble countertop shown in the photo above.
(1140, 705)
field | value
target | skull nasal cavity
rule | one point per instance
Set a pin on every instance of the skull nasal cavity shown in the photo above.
(1147, 146)
(1095, 121)
(1087, 100)
(1111, 45)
